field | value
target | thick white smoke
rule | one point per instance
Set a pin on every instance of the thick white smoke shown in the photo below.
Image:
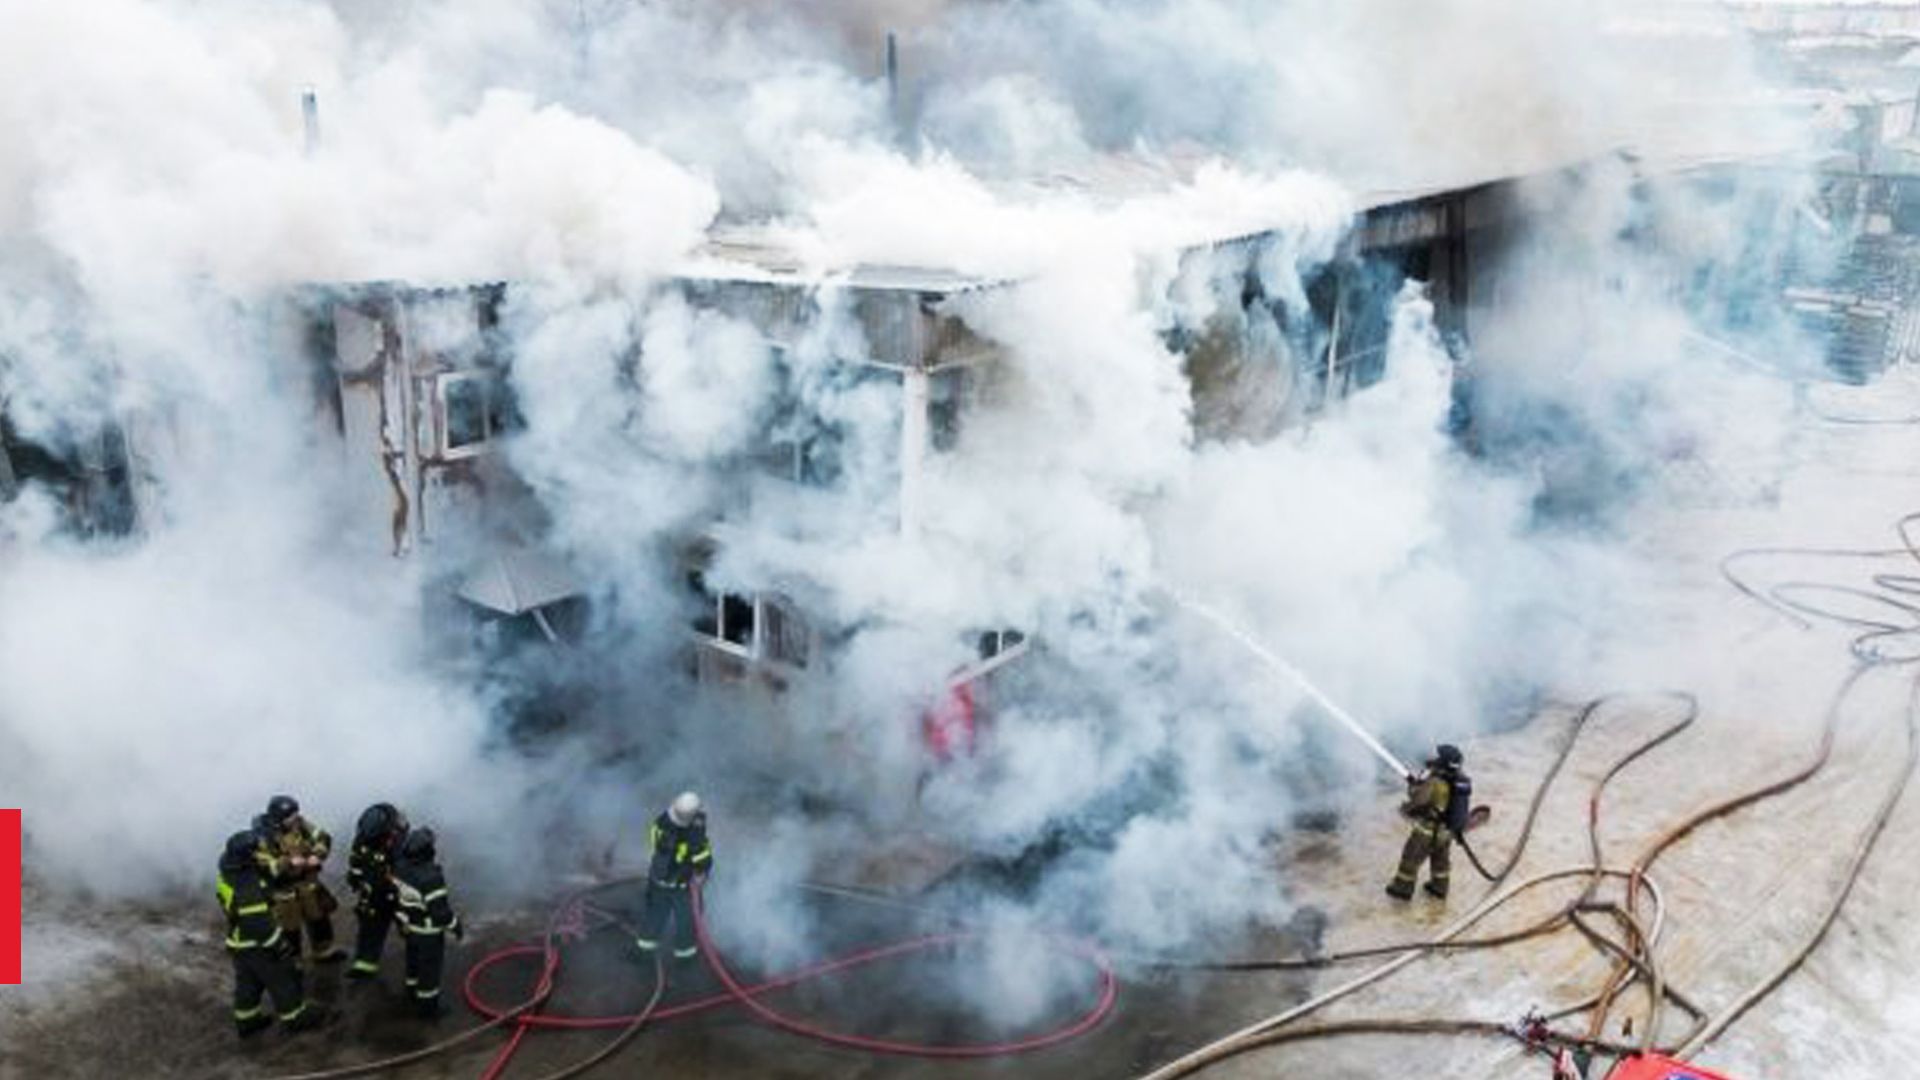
(156, 200)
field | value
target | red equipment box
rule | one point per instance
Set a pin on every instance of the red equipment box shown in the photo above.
(9, 897)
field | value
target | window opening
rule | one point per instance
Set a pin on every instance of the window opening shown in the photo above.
(736, 619)
(466, 412)
(994, 642)
(947, 393)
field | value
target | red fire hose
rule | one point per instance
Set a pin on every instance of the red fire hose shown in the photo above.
(749, 997)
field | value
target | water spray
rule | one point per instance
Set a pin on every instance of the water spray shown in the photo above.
(1300, 679)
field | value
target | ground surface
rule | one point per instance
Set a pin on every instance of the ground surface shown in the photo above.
(1742, 893)
(167, 1016)
(140, 992)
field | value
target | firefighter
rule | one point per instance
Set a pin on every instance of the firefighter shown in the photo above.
(291, 853)
(426, 917)
(1431, 798)
(681, 855)
(263, 957)
(376, 840)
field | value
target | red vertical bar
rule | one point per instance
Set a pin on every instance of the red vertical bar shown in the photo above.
(10, 897)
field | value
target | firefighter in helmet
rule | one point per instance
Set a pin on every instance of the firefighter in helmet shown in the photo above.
(425, 915)
(681, 855)
(376, 841)
(290, 853)
(263, 955)
(1431, 800)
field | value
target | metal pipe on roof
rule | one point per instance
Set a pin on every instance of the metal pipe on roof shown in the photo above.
(310, 118)
(893, 78)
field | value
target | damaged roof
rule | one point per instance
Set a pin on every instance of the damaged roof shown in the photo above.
(757, 255)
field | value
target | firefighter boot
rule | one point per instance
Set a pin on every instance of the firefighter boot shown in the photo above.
(305, 1018)
(1435, 890)
(320, 940)
(250, 1026)
(1400, 889)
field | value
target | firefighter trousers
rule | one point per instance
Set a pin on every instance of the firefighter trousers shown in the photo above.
(426, 958)
(1428, 842)
(260, 972)
(666, 902)
(306, 909)
(370, 938)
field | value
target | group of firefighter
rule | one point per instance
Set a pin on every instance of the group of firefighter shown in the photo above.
(277, 908)
(270, 890)
(279, 912)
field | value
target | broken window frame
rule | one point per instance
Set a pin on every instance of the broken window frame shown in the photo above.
(812, 461)
(997, 649)
(774, 631)
(443, 384)
(782, 635)
(798, 445)
(725, 611)
(951, 389)
(91, 477)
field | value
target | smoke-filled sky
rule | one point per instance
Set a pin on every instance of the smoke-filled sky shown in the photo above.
(156, 198)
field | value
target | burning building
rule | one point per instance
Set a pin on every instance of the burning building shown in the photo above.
(415, 388)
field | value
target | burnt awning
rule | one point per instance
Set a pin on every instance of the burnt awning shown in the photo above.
(517, 580)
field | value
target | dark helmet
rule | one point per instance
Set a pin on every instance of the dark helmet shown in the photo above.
(1447, 756)
(280, 808)
(418, 845)
(378, 821)
(240, 849)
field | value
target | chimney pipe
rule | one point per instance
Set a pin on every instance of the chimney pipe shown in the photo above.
(310, 118)
(893, 86)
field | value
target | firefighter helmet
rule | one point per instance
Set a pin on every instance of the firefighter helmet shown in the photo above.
(418, 845)
(684, 808)
(240, 848)
(281, 809)
(1448, 756)
(379, 821)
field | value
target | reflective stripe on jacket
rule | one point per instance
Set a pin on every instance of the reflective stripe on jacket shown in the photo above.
(679, 851)
(421, 892)
(243, 901)
(369, 874)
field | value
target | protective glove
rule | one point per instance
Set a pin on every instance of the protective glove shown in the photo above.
(458, 929)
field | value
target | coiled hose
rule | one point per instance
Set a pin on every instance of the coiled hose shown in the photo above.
(750, 997)
(1636, 960)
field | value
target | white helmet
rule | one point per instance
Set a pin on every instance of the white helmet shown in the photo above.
(684, 807)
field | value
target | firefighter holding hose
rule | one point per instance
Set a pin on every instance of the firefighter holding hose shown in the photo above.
(681, 854)
(1437, 805)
